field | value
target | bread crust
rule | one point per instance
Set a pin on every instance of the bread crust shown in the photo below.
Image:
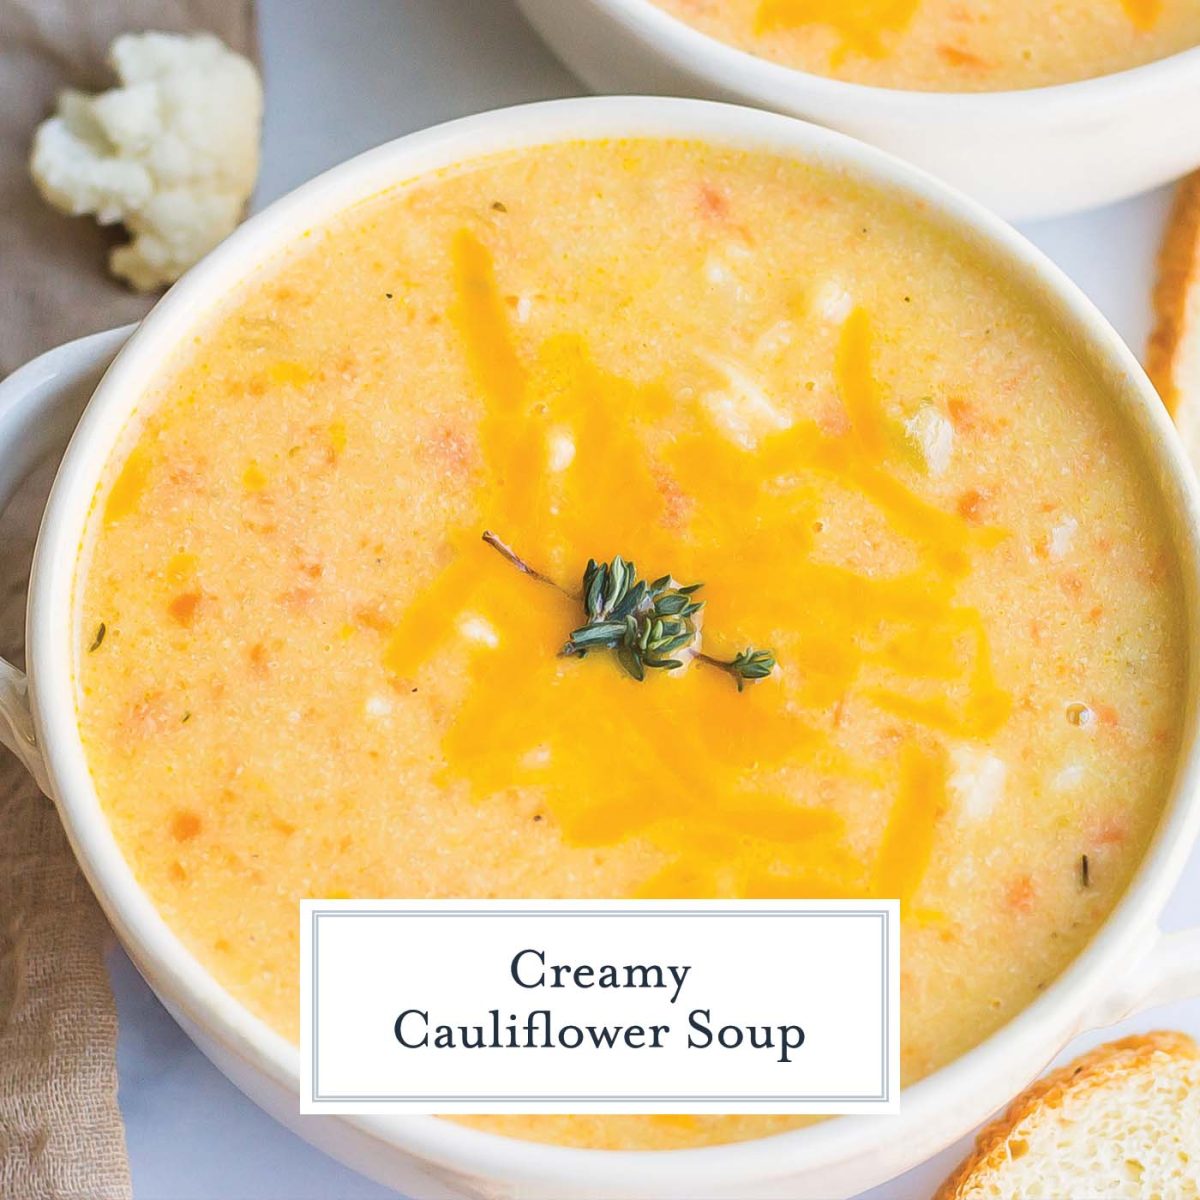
(1098, 1067)
(1178, 277)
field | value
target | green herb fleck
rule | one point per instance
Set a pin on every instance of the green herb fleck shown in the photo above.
(646, 625)
(499, 206)
(187, 716)
(101, 630)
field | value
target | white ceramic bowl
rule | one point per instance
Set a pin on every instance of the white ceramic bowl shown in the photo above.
(1032, 153)
(1129, 963)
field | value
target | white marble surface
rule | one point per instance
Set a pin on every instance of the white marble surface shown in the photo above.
(341, 77)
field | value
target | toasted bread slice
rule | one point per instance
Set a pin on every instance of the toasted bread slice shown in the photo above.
(1173, 356)
(1122, 1121)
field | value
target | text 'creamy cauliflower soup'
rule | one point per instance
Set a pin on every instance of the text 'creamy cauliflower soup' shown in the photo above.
(950, 45)
(302, 672)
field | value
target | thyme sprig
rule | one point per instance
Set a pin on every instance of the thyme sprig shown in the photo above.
(645, 624)
(747, 665)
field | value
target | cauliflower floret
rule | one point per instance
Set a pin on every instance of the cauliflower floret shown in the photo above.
(977, 781)
(172, 152)
(1062, 536)
(741, 408)
(933, 435)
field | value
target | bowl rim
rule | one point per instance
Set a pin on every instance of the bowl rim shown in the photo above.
(1029, 1039)
(768, 80)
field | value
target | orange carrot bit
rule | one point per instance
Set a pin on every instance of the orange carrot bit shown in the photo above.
(183, 607)
(258, 658)
(373, 617)
(185, 825)
(962, 415)
(1107, 715)
(971, 505)
(1111, 833)
(958, 57)
(1021, 895)
(713, 203)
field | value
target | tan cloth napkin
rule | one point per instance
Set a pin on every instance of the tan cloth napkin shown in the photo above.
(61, 1136)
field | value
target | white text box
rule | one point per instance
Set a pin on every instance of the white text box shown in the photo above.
(599, 1006)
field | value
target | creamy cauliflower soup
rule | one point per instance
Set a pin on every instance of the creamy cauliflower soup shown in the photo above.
(950, 45)
(930, 556)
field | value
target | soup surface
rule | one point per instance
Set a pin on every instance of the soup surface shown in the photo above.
(302, 673)
(950, 45)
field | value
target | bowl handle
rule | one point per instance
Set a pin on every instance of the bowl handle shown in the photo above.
(39, 406)
(1168, 971)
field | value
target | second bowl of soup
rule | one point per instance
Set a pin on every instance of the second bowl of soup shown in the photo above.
(1034, 109)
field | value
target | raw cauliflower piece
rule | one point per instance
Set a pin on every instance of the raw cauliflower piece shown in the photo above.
(172, 152)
